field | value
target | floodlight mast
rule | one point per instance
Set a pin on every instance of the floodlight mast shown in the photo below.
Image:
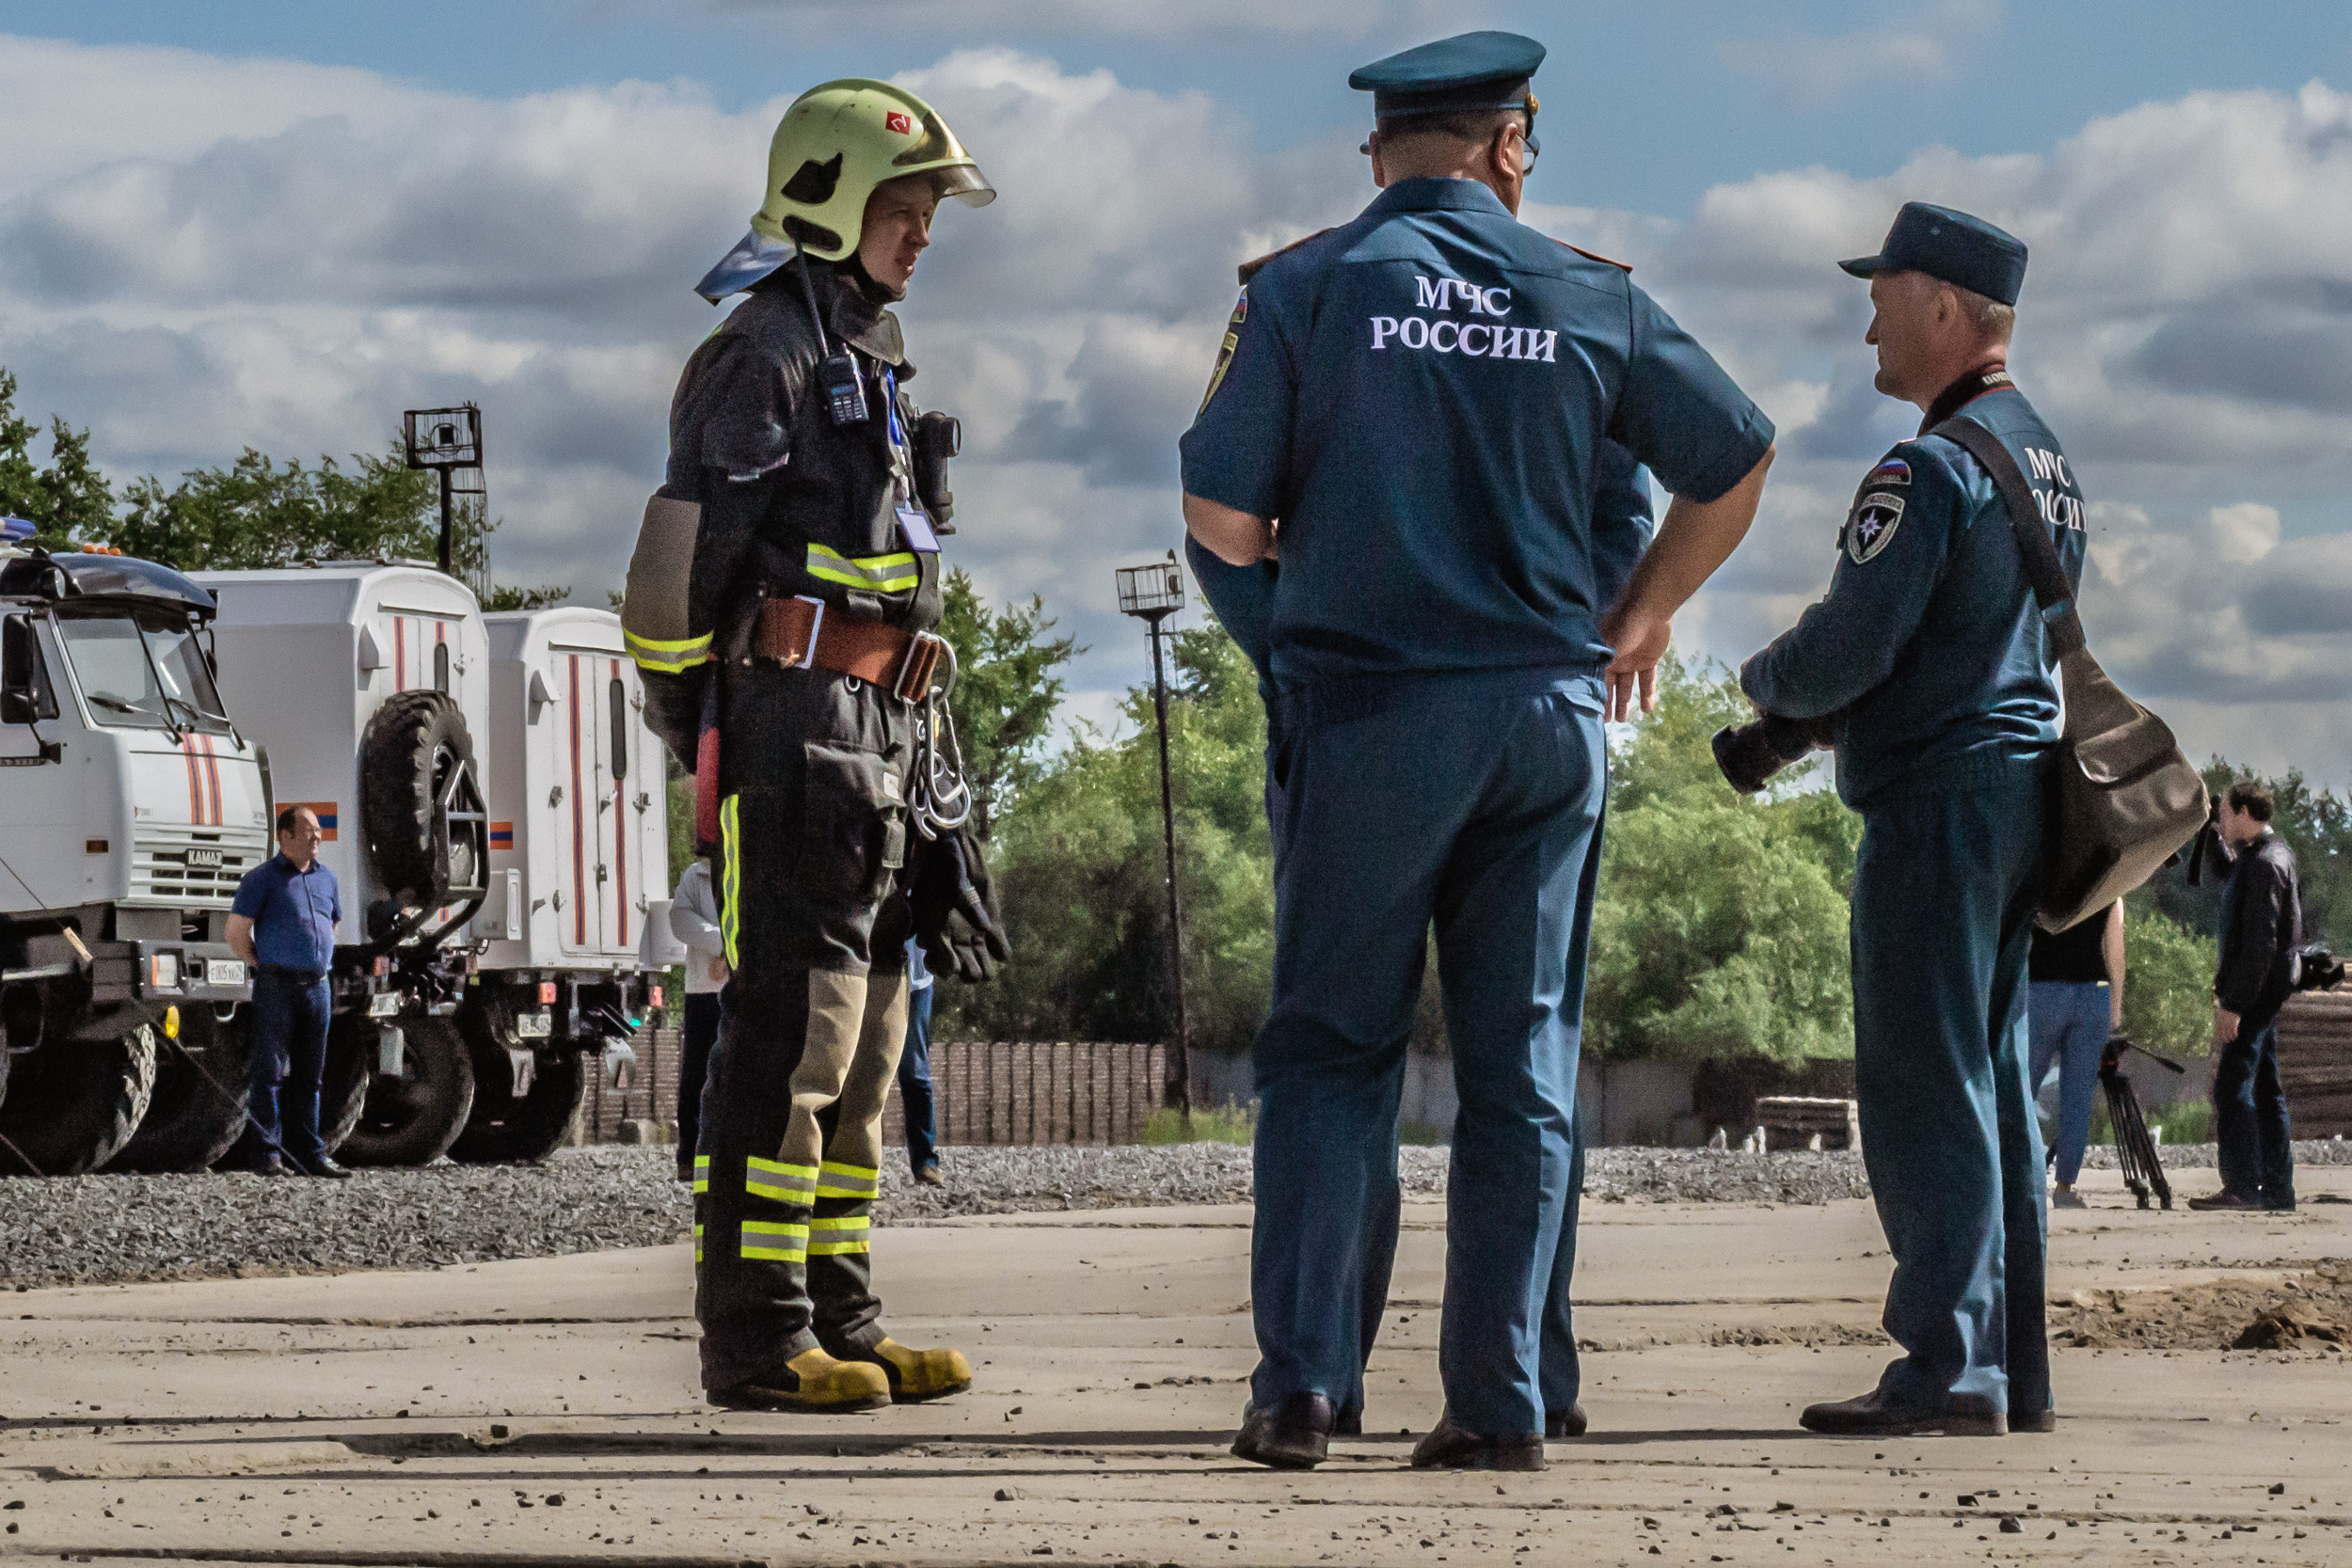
(447, 440)
(1152, 593)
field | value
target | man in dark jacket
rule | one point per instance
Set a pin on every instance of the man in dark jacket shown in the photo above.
(2262, 925)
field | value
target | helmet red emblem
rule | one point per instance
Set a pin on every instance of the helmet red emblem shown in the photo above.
(898, 122)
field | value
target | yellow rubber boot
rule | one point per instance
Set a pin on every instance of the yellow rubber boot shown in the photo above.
(815, 1382)
(917, 1375)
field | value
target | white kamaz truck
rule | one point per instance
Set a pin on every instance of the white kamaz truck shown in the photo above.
(580, 878)
(369, 683)
(130, 807)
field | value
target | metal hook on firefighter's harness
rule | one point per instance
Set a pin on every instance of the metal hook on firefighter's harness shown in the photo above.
(938, 799)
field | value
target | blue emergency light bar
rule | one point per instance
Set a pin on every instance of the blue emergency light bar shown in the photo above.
(12, 529)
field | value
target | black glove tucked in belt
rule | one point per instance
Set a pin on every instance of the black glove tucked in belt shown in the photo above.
(956, 918)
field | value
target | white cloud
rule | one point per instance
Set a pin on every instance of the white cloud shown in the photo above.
(1086, 18)
(1922, 51)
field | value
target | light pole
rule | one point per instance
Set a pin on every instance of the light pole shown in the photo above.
(1151, 595)
(448, 441)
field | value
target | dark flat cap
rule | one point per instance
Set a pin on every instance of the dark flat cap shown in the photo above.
(1965, 251)
(1467, 72)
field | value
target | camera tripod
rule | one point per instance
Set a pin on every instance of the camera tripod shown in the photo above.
(2134, 1149)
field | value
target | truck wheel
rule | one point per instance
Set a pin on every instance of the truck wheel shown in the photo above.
(503, 1129)
(71, 1104)
(412, 1119)
(191, 1121)
(412, 745)
(344, 1086)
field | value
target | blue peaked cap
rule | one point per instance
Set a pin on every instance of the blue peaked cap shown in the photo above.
(1465, 72)
(1962, 251)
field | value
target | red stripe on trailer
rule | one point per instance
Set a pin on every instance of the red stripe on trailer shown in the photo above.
(579, 877)
(195, 785)
(620, 814)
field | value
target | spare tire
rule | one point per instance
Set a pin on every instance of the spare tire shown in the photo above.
(72, 1104)
(414, 743)
(204, 1087)
(412, 1119)
(503, 1127)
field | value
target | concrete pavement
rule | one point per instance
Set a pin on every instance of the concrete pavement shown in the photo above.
(545, 1412)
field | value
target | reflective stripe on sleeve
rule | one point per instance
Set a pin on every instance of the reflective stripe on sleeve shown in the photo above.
(730, 875)
(839, 1181)
(773, 1178)
(667, 658)
(883, 574)
(774, 1242)
(832, 1237)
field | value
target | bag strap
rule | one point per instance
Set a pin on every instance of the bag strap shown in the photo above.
(2043, 567)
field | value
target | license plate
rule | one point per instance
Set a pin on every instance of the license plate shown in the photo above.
(224, 972)
(533, 1026)
(384, 1004)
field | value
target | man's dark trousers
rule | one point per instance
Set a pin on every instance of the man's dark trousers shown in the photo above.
(693, 1068)
(1468, 802)
(2256, 1155)
(290, 1011)
(1944, 889)
(914, 1080)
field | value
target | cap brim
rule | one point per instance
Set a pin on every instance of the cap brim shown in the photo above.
(1862, 266)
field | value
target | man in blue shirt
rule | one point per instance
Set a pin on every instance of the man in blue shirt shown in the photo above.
(1408, 412)
(283, 924)
(1928, 659)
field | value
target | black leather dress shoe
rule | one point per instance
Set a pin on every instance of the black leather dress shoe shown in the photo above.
(1874, 1415)
(326, 1168)
(1565, 1423)
(1449, 1447)
(1295, 1435)
(2225, 1200)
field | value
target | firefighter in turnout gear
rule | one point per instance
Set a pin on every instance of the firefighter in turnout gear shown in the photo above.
(781, 603)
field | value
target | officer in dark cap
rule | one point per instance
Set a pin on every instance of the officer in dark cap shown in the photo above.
(1930, 661)
(1408, 413)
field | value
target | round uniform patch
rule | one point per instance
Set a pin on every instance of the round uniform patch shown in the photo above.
(1873, 523)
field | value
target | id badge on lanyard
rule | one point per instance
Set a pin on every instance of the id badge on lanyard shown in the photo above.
(914, 522)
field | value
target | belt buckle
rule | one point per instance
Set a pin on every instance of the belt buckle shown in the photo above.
(805, 654)
(913, 682)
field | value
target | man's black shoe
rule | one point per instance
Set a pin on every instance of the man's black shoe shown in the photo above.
(1565, 1423)
(2225, 1199)
(1295, 1435)
(1348, 1423)
(271, 1166)
(2041, 1420)
(1449, 1447)
(1874, 1415)
(326, 1168)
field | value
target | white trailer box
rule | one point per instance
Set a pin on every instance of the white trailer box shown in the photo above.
(308, 655)
(579, 826)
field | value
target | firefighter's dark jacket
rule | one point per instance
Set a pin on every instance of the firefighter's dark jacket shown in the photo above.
(766, 497)
(2262, 925)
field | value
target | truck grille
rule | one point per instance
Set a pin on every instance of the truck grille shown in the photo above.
(193, 867)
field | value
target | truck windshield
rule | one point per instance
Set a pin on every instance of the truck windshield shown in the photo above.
(141, 677)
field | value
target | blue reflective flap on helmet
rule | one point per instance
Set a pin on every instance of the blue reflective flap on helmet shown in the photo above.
(755, 256)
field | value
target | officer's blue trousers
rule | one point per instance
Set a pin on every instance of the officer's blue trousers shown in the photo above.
(1942, 911)
(290, 1014)
(1473, 806)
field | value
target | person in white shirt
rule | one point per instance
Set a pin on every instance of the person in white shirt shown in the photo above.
(694, 921)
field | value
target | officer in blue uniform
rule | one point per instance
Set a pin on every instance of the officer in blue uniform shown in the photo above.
(1417, 399)
(1243, 600)
(1929, 658)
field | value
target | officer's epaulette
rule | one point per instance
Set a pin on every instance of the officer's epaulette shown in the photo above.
(1250, 269)
(1626, 267)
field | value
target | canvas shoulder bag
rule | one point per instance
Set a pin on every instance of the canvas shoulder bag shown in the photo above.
(2124, 796)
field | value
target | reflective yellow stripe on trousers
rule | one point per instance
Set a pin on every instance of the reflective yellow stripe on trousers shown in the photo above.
(839, 1181)
(702, 1174)
(730, 874)
(774, 1242)
(773, 1179)
(830, 1237)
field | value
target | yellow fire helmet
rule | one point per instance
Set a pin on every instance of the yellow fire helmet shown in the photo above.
(840, 140)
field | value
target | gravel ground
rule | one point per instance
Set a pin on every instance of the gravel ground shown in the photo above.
(104, 1230)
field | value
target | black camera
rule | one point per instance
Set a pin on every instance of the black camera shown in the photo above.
(937, 438)
(2204, 847)
(2317, 968)
(1750, 754)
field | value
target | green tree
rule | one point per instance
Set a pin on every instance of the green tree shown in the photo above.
(67, 499)
(2316, 825)
(1006, 694)
(2167, 984)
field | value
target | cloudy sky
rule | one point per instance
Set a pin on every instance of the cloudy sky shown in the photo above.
(277, 224)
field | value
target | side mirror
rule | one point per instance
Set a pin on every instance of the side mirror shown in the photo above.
(25, 695)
